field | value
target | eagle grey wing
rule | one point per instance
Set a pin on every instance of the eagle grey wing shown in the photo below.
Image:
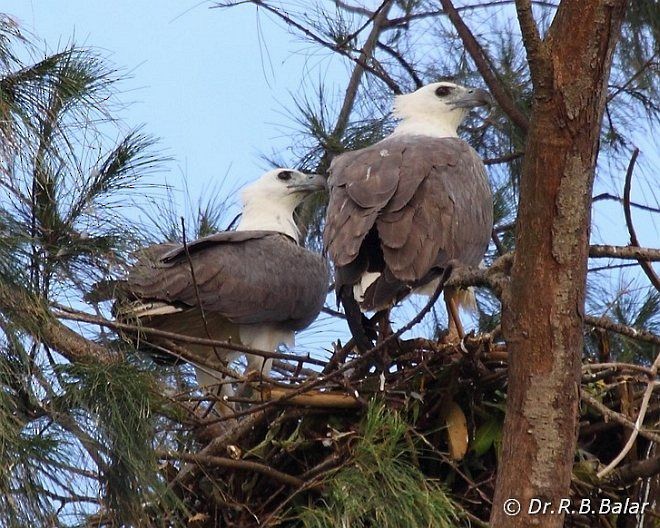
(361, 183)
(440, 209)
(179, 251)
(260, 277)
(448, 214)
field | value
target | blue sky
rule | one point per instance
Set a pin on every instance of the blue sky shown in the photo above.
(213, 85)
(216, 87)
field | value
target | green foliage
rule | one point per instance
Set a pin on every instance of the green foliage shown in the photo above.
(380, 485)
(62, 188)
(114, 405)
(488, 434)
(72, 437)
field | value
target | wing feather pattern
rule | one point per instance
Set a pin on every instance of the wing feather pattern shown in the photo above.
(246, 276)
(428, 200)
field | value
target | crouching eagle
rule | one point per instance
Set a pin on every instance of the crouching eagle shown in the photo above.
(255, 286)
(402, 209)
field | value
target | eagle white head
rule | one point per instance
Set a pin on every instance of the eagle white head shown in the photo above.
(269, 202)
(437, 109)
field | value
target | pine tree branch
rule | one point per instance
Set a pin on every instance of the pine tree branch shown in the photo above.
(483, 64)
(538, 56)
(403, 63)
(372, 16)
(624, 252)
(651, 62)
(357, 10)
(628, 331)
(358, 71)
(379, 73)
(34, 318)
(405, 20)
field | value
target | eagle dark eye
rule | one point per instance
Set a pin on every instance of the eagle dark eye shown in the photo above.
(443, 91)
(284, 175)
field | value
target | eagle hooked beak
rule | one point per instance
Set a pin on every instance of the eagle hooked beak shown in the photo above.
(471, 98)
(311, 184)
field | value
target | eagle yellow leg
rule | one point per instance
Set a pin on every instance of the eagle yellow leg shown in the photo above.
(456, 332)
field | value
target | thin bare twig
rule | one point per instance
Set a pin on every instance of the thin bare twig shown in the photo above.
(608, 196)
(216, 461)
(404, 20)
(646, 266)
(638, 423)
(372, 16)
(358, 10)
(73, 315)
(617, 366)
(196, 287)
(651, 62)
(616, 417)
(504, 159)
(359, 69)
(403, 63)
(624, 252)
(381, 74)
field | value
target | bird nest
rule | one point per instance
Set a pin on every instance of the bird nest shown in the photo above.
(408, 434)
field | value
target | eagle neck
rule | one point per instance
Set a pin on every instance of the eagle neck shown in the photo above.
(269, 217)
(425, 127)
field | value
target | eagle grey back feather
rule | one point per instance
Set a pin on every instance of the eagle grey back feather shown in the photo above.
(249, 277)
(405, 207)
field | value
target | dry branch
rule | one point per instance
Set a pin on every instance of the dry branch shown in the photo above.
(230, 463)
(638, 423)
(628, 331)
(624, 252)
(635, 470)
(327, 399)
(483, 64)
(646, 266)
(73, 315)
(609, 414)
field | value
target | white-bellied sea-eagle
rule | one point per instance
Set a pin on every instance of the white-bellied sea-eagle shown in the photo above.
(256, 285)
(402, 209)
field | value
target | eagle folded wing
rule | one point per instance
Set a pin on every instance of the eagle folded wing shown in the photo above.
(428, 199)
(247, 276)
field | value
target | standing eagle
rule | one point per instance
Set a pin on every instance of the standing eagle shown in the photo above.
(255, 286)
(402, 209)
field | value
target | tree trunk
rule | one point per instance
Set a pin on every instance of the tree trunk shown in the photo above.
(543, 309)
